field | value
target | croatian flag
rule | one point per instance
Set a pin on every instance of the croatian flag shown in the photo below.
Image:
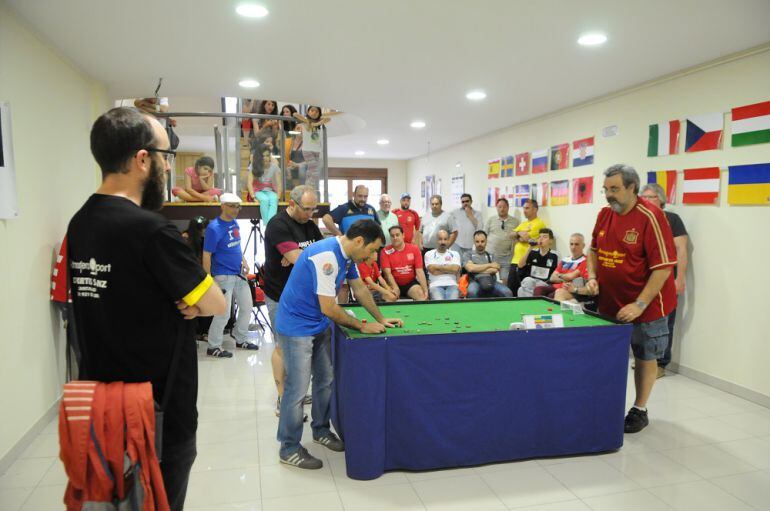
(704, 132)
(539, 161)
(583, 152)
(521, 194)
(522, 164)
(701, 186)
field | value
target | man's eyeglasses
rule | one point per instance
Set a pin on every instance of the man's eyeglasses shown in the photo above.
(168, 154)
(236, 206)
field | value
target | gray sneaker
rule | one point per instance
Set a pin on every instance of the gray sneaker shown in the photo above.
(302, 459)
(331, 442)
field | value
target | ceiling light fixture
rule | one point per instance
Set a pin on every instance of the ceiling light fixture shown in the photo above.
(418, 124)
(251, 11)
(360, 153)
(383, 141)
(592, 39)
(476, 95)
(249, 84)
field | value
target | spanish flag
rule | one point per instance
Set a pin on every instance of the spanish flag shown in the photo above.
(667, 180)
(749, 184)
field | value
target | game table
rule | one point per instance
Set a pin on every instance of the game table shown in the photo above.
(455, 387)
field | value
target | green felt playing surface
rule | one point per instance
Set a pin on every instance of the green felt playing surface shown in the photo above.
(467, 316)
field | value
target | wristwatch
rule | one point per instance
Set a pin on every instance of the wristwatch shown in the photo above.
(641, 304)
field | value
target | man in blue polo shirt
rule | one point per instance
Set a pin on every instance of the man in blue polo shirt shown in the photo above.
(349, 213)
(223, 260)
(303, 329)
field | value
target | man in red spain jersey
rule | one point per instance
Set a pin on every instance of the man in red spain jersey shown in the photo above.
(403, 268)
(409, 221)
(632, 256)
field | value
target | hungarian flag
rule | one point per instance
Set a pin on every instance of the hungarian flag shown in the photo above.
(704, 132)
(701, 186)
(560, 193)
(749, 184)
(539, 192)
(522, 164)
(667, 180)
(664, 139)
(521, 194)
(583, 190)
(559, 157)
(494, 169)
(506, 169)
(583, 152)
(539, 161)
(751, 124)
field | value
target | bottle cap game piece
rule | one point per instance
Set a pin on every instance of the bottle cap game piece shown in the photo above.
(517, 326)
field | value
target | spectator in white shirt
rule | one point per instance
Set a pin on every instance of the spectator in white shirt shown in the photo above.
(443, 266)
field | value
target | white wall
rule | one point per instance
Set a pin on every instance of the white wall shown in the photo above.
(53, 106)
(396, 171)
(724, 327)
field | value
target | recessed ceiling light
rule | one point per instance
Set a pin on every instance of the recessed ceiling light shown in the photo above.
(251, 11)
(476, 95)
(249, 84)
(418, 124)
(383, 141)
(360, 153)
(592, 39)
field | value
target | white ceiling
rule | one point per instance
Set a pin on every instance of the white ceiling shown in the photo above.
(391, 62)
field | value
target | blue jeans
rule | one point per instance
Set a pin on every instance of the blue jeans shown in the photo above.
(474, 291)
(301, 357)
(232, 284)
(268, 204)
(444, 292)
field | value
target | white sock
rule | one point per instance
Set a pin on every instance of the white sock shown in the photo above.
(642, 408)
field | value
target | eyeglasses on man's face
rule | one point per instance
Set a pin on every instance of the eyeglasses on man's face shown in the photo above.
(167, 154)
(236, 206)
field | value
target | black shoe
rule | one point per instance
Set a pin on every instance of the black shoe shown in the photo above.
(636, 420)
(246, 345)
(302, 459)
(218, 353)
(331, 441)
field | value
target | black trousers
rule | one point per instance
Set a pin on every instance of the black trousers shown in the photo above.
(514, 282)
(176, 465)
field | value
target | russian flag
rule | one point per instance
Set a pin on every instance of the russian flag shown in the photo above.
(583, 152)
(667, 180)
(539, 161)
(749, 184)
(704, 132)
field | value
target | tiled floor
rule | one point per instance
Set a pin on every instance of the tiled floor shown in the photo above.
(703, 450)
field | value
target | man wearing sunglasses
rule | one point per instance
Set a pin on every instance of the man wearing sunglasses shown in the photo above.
(223, 260)
(501, 230)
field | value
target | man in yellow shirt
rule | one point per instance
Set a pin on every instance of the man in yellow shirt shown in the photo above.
(526, 231)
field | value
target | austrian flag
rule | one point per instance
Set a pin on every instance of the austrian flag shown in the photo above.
(704, 132)
(701, 186)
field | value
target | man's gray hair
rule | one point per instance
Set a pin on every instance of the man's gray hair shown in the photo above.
(437, 196)
(627, 173)
(578, 235)
(300, 190)
(659, 191)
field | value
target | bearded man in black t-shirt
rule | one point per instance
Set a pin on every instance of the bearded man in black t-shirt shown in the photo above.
(287, 234)
(135, 281)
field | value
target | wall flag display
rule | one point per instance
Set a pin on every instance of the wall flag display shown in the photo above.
(520, 195)
(9, 205)
(583, 190)
(539, 161)
(701, 186)
(559, 157)
(663, 139)
(506, 166)
(492, 193)
(749, 184)
(539, 192)
(494, 169)
(751, 124)
(704, 132)
(560, 193)
(522, 164)
(667, 180)
(583, 152)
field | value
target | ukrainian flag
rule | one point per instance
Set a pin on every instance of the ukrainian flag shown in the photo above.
(749, 184)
